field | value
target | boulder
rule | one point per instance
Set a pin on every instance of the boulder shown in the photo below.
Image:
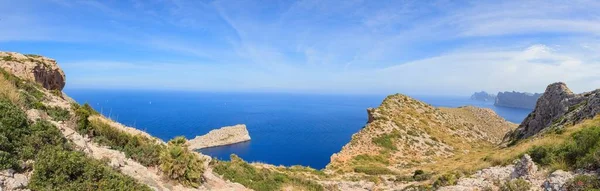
(525, 168)
(557, 180)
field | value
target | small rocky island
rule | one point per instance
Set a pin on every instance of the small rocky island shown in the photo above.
(483, 96)
(517, 99)
(219, 137)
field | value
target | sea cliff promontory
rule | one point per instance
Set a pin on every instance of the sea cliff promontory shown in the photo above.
(517, 99)
(222, 136)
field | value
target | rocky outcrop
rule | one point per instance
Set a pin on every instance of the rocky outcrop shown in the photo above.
(516, 99)
(557, 107)
(493, 177)
(42, 70)
(10, 180)
(483, 96)
(405, 134)
(219, 137)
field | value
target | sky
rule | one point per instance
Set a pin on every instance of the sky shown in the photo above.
(312, 46)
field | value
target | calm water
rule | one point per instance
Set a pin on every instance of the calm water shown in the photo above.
(286, 129)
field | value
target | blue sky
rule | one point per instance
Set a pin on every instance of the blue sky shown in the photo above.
(312, 46)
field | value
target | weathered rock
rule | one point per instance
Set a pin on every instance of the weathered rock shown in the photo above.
(525, 168)
(42, 70)
(557, 107)
(18, 181)
(219, 137)
(557, 180)
(516, 99)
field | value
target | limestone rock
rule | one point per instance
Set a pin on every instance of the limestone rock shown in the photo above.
(557, 107)
(219, 137)
(557, 180)
(525, 168)
(42, 70)
(517, 99)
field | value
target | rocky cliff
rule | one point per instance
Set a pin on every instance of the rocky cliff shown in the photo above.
(219, 137)
(557, 107)
(516, 99)
(36, 68)
(483, 96)
(404, 133)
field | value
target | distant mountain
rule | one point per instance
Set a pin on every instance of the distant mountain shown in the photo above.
(483, 96)
(517, 99)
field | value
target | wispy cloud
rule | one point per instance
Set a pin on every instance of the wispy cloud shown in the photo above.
(441, 47)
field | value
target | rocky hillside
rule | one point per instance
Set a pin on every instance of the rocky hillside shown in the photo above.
(404, 134)
(516, 99)
(556, 108)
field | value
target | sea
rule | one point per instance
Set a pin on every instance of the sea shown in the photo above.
(286, 128)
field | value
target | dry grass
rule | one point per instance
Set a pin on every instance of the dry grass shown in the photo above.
(9, 91)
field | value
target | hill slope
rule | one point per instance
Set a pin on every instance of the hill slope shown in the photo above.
(404, 134)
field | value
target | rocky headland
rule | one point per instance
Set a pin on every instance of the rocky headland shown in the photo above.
(219, 137)
(483, 96)
(36, 68)
(517, 99)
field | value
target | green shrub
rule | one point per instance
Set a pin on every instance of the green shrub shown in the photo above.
(13, 128)
(582, 150)
(387, 141)
(373, 170)
(58, 113)
(515, 185)
(181, 164)
(420, 175)
(57, 169)
(583, 182)
(448, 179)
(239, 171)
(139, 148)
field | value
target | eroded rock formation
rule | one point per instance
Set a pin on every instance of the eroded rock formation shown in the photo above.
(42, 70)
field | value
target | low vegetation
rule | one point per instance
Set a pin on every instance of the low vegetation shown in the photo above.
(515, 185)
(181, 164)
(583, 182)
(580, 151)
(57, 169)
(57, 166)
(175, 160)
(237, 170)
(58, 113)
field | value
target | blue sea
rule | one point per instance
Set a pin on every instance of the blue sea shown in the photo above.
(286, 129)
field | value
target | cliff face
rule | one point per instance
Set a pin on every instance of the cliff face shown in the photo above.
(36, 68)
(517, 99)
(404, 133)
(557, 107)
(483, 96)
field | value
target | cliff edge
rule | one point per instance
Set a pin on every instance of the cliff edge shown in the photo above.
(219, 137)
(516, 99)
(42, 70)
